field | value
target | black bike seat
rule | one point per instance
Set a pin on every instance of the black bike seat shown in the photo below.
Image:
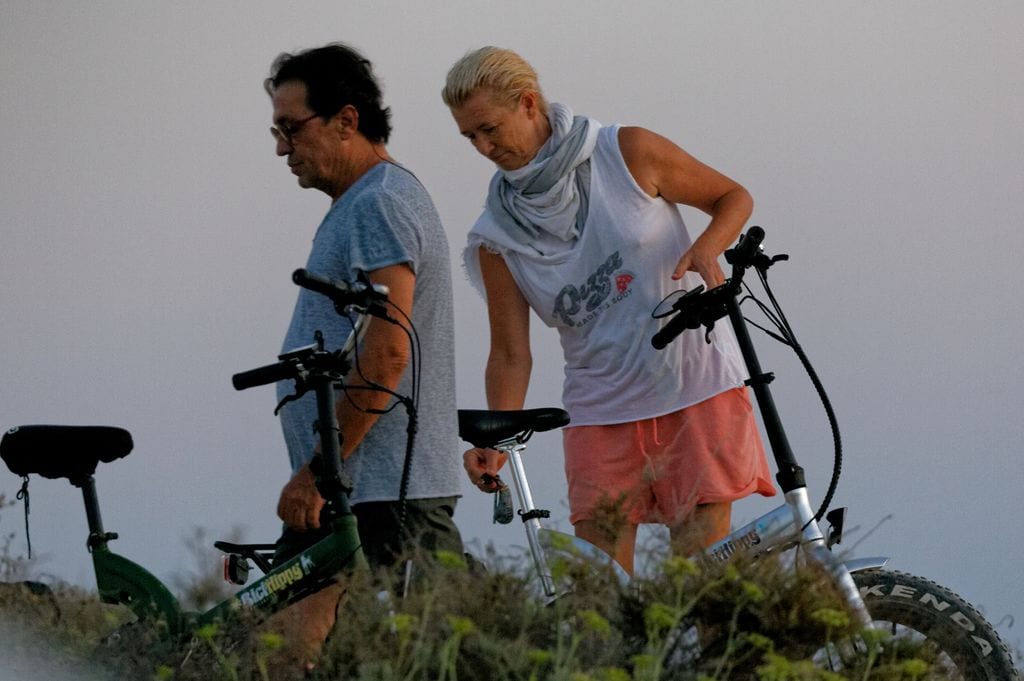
(63, 451)
(486, 428)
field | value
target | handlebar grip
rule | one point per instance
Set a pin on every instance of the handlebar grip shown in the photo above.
(271, 373)
(667, 333)
(748, 245)
(319, 284)
(343, 293)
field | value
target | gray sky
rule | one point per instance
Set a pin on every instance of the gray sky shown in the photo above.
(149, 233)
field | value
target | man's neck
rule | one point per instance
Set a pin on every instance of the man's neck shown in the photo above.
(368, 155)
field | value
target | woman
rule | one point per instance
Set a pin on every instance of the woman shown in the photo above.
(581, 226)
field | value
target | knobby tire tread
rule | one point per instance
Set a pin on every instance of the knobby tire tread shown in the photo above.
(948, 621)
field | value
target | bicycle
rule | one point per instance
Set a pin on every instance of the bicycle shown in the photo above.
(74, 452)
(905, 605)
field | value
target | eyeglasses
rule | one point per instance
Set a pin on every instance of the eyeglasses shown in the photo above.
(284, 132)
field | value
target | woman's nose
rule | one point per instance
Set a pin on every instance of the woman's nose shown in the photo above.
(483, 146)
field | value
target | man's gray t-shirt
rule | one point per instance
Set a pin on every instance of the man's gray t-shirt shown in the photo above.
(384, 219)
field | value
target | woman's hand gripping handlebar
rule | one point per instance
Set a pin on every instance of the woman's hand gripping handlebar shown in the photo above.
(698, 307)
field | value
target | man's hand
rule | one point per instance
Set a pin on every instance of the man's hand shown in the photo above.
(300, 503)
(482, 467)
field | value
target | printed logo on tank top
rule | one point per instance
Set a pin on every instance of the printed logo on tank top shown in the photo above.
(577, 306)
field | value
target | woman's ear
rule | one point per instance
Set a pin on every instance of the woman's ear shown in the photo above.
(528, 100)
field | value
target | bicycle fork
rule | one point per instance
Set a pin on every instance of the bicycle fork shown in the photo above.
(793, 523)
(813, 541)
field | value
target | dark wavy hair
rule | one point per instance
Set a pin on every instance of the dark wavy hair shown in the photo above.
(335, 75)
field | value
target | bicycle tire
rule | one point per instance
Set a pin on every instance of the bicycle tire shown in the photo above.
(916, 607)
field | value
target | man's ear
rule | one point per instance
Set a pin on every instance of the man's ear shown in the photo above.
(347, 121)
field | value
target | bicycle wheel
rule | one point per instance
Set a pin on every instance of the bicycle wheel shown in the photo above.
(964, 644)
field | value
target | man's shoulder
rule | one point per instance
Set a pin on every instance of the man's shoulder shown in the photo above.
(389, 186)
(392, 177)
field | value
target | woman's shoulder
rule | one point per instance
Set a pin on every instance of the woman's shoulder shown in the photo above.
(634, 140)
(641, 149)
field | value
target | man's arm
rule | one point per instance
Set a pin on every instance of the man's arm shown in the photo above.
(663, 169)
(383, 357)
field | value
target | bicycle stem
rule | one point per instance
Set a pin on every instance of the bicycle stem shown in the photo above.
(329, 481)
(791, 474)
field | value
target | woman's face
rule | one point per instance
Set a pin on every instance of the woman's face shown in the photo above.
(508, 135)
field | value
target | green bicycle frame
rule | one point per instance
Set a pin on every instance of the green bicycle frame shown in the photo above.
(122, 581)
(298, 577)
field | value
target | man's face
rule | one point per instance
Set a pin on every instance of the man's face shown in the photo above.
(504, 134)
(313, 147)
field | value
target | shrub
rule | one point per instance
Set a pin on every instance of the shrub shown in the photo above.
(738, 620)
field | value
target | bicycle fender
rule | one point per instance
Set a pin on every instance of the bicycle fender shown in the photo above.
(869, 563)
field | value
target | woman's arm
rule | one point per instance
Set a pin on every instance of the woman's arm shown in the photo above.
(509, 362)
(663, 169)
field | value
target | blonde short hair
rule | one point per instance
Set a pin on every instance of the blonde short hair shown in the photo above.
(503, 72)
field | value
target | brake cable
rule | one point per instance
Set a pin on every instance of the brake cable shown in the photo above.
(786, 336)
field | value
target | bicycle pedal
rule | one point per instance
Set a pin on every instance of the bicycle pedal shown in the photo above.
(236, 569)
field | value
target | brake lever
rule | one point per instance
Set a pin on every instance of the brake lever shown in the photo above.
(503, 512)
(286, 400)
(707, 334)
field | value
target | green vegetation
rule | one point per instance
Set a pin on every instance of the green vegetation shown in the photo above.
(687, 621)
(684, 621)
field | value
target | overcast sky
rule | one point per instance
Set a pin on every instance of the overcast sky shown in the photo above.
(149, 233)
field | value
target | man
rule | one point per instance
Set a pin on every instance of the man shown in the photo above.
(331, 127)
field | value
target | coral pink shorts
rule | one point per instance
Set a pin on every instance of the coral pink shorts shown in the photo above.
(657, 470)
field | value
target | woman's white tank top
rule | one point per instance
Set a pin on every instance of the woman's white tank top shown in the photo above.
(600, 293)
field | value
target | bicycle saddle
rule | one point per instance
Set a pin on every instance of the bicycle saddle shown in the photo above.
(485, 428)
(70, 452)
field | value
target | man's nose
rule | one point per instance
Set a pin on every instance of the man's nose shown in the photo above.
(283, 148)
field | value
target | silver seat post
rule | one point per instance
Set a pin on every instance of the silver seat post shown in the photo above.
(527, 510)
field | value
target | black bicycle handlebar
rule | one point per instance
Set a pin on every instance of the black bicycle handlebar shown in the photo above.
(679, 323)
(698, 307)
(341, 293)
(271, 373)
(748, 247)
